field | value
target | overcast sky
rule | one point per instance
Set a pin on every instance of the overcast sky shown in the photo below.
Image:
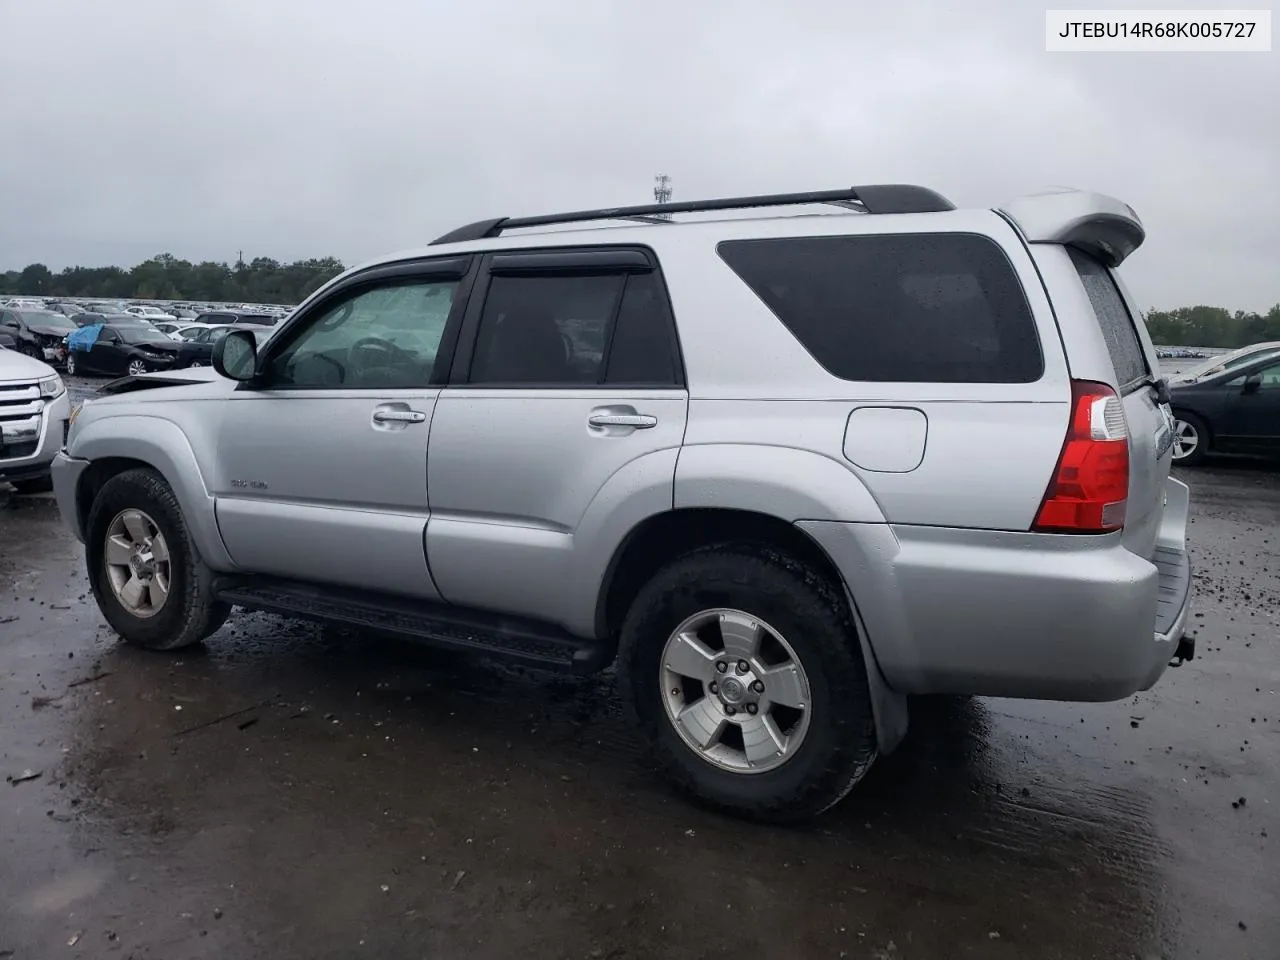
(299, 128)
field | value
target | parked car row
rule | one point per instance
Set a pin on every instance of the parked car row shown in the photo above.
(119, 342)
(153, 310)
(122, 348)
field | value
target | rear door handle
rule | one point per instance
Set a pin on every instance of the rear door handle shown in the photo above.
(399, 416)
(641, 421)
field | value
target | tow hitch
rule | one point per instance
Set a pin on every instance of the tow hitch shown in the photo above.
(1186, 651)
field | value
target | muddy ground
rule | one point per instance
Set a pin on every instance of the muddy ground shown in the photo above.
(293, 792)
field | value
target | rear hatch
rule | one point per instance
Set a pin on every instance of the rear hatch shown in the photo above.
(1138, 381)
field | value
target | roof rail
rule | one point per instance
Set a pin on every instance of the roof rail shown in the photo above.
(874, 198)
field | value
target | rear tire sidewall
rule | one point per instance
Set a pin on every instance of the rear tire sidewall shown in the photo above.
(1202, 443)
(821, 639)
(188, 614)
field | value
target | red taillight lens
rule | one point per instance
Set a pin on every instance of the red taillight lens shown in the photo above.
(1091, 483)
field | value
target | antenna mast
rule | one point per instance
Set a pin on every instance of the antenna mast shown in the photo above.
(662, 192)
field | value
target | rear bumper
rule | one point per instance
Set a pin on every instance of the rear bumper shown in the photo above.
(1007, 614)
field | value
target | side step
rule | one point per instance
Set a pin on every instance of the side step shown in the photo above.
(529, 642)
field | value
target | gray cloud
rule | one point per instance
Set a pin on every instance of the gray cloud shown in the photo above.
(295, 128)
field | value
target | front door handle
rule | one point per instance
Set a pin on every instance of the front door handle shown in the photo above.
(399, 416)
(641, 421)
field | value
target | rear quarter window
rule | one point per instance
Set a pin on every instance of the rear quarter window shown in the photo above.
(936, 308)
(1127, 355)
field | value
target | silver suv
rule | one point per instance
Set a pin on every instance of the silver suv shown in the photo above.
(783, 471)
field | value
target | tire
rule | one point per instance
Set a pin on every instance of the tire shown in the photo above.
(1188, 425)
(189, 612)
(34, 485)
(136, 368)
(838, 742)
(71, 364)
(32, 351)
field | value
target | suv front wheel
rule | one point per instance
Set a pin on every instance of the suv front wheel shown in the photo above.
(745, 674)
(145, 572)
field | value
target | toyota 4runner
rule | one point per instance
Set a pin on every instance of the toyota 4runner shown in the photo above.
(783, 471)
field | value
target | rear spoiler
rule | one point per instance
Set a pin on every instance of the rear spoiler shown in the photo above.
(1101, 226)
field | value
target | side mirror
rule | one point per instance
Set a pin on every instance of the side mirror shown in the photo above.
(235, 356)
(1252, 384)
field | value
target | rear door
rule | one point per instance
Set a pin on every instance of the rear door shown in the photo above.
(566, 398)
(1150, 424)
(106, 355)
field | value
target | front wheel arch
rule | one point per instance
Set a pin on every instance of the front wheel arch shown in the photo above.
(113, 444)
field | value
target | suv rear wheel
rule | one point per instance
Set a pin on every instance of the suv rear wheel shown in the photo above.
(145, 572)
(745, 675)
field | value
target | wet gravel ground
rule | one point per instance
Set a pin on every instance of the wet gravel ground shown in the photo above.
(290, 791)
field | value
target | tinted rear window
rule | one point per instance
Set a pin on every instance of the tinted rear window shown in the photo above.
(938, 308)
(1113, 316)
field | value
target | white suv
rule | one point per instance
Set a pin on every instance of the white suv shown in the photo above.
(33, 420)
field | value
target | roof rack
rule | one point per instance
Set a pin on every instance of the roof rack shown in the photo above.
(875, 198)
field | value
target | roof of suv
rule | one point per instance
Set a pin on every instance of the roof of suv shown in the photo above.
(1103, 226)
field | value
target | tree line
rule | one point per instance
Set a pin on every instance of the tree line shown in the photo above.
(165, 277)
(1203, 326)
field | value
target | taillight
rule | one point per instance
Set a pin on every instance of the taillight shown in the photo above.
(1091, 482)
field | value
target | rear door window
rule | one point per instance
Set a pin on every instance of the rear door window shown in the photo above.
(1118, 329)
(935, 308)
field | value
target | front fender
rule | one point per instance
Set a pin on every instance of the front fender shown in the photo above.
(160, 444)
(783, 482)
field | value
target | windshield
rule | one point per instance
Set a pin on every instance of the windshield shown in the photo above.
(140, 334)
(47, 318)
(1231, 360)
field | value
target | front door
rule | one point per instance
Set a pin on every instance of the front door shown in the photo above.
(563, 421)
(322, 459)
(105, 355)
(1253, 411)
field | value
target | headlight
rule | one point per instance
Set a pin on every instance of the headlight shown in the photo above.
(52, 388)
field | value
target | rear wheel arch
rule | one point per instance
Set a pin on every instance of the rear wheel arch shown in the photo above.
(663, 537)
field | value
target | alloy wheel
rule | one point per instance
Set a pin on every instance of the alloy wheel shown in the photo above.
(735, 691)
(1186, 439)
(136, 558)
